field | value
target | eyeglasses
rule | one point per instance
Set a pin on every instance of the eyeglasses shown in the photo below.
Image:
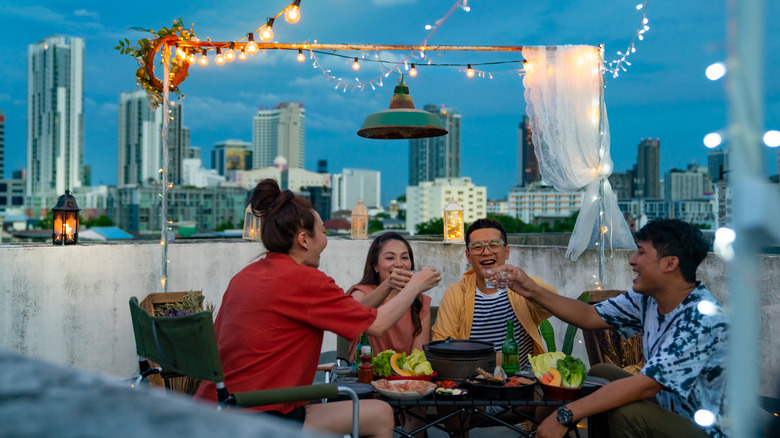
(494, 246)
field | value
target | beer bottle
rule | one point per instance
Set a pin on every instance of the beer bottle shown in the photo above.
(509, 351)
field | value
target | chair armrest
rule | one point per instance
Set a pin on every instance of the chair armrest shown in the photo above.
(326, 366)
(285, 395)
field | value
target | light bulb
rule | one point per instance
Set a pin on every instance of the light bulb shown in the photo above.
(356, 65)
(772, 138)
(715, 71)
(469, 72)
(267, 31)
(293, 12)
(301, 58)
(191, 57)
(712, 140)
(181, 53)
(242, 55)
(413, 71)
(203, 60)
(230, 55)
(251, 46)
(219, 59)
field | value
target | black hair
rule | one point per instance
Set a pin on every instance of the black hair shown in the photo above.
(485, 223)
(283, 213)
(673, 237)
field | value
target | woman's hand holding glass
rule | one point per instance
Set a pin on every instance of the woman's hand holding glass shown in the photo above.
(516, 279)
(398, 278)
(427, 278)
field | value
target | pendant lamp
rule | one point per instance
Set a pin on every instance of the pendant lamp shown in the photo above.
(402, 120)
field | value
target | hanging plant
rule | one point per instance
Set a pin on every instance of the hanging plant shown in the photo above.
(145, 53)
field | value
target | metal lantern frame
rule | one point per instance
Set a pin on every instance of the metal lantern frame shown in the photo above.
(252, 225)
(65, 221)
(453, 222)
(359, 219)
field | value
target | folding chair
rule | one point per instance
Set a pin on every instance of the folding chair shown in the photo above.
(187, 346)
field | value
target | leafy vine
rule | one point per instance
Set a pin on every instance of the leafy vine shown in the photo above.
(145, 53)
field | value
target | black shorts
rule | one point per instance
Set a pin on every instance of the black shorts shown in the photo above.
(298, 414)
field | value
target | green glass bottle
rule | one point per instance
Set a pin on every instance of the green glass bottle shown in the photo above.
(362, 341)
(509, 350)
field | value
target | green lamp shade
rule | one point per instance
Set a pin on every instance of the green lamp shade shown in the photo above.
(402, 120)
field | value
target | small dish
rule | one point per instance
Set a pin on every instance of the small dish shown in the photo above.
(560, 392)
(450, 393)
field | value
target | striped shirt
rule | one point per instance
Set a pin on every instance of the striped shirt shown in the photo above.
(491, 313)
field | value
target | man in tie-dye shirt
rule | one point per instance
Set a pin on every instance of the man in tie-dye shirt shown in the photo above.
(680, 390)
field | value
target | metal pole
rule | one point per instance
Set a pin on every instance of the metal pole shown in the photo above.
(745, 95)
(308, 46)
(166, 54)
(601, 183)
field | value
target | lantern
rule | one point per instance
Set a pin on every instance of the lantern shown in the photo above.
(453, 222)
(359, 221)
(66, 221)
(251, 224)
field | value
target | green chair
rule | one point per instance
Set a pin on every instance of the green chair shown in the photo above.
(187, 346)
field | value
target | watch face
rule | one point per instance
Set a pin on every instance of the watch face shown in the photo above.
(564, 416)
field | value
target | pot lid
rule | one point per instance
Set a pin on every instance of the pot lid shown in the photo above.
(460, 347)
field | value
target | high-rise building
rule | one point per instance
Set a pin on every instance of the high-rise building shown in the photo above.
(279, 132)
(648, 169)
(436, 157)
(536, 204)
(351, 185)
(231, 155)
(55, 115)
(139, 139)
(2, 144)
(178, 144)
(426, 200)
(681, 185)
(527, 164)
(718, 165)
(622, 184)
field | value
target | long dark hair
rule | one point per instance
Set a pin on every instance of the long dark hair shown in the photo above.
(371, 276)
(283, 215)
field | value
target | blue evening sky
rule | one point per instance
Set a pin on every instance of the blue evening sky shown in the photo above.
(664, 94)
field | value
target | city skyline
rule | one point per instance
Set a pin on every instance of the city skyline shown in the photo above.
(664, 93)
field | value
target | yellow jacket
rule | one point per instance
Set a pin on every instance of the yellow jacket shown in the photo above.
(456, 311)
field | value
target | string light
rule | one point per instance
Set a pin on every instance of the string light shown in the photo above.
(715, 71)
(219, 59)
(191, 57)
(470, 72)
(713, 140)
(230, 55)
(251, 46)
(356, 65)
(203, 60)
(242, 55)
(293, 12)
(181, 53)
(267, 31)
(301, 58)
(772, 138)
(619, 64)
(413, 71)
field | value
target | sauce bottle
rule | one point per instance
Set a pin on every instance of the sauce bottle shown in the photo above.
(362, 341)
(366, 368)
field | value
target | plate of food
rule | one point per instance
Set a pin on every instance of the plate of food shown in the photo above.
(450, 393)
(403, 389)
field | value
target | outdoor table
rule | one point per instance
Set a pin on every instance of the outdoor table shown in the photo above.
(467, 408)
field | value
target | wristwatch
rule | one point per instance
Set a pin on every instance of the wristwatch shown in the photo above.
(565, 417)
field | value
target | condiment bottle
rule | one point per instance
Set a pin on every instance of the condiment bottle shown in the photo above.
(362, 341)
(509, 351)
(366, 368)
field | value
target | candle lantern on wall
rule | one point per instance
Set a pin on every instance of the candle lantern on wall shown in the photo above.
(66, 221)
(359, 221)
(251, 225)
(453, 222)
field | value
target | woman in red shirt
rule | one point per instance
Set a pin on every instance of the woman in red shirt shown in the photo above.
(274, 312)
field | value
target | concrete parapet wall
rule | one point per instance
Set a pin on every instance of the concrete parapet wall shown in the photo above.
(68, 305)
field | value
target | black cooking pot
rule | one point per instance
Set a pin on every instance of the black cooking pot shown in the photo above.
(458, 359)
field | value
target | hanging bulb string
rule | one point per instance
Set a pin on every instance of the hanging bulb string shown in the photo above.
(618, 64)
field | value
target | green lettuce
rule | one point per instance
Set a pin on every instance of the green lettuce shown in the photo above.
(382, 363)
(572, 371)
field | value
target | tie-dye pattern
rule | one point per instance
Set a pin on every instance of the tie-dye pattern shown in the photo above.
(685, 350)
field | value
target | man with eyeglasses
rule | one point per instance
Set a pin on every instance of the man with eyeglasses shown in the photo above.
(470, 309)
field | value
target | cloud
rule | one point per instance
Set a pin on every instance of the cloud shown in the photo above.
(86, 13)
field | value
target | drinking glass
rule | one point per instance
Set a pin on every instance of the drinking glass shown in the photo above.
(490, 280)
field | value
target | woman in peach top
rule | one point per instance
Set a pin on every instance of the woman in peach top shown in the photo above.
(389, 266)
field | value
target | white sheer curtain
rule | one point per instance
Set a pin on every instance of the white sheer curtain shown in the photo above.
(570, 132)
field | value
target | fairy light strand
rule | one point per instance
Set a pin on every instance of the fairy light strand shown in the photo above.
(619, 64)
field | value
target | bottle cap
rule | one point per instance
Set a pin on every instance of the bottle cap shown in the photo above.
(366, 349)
